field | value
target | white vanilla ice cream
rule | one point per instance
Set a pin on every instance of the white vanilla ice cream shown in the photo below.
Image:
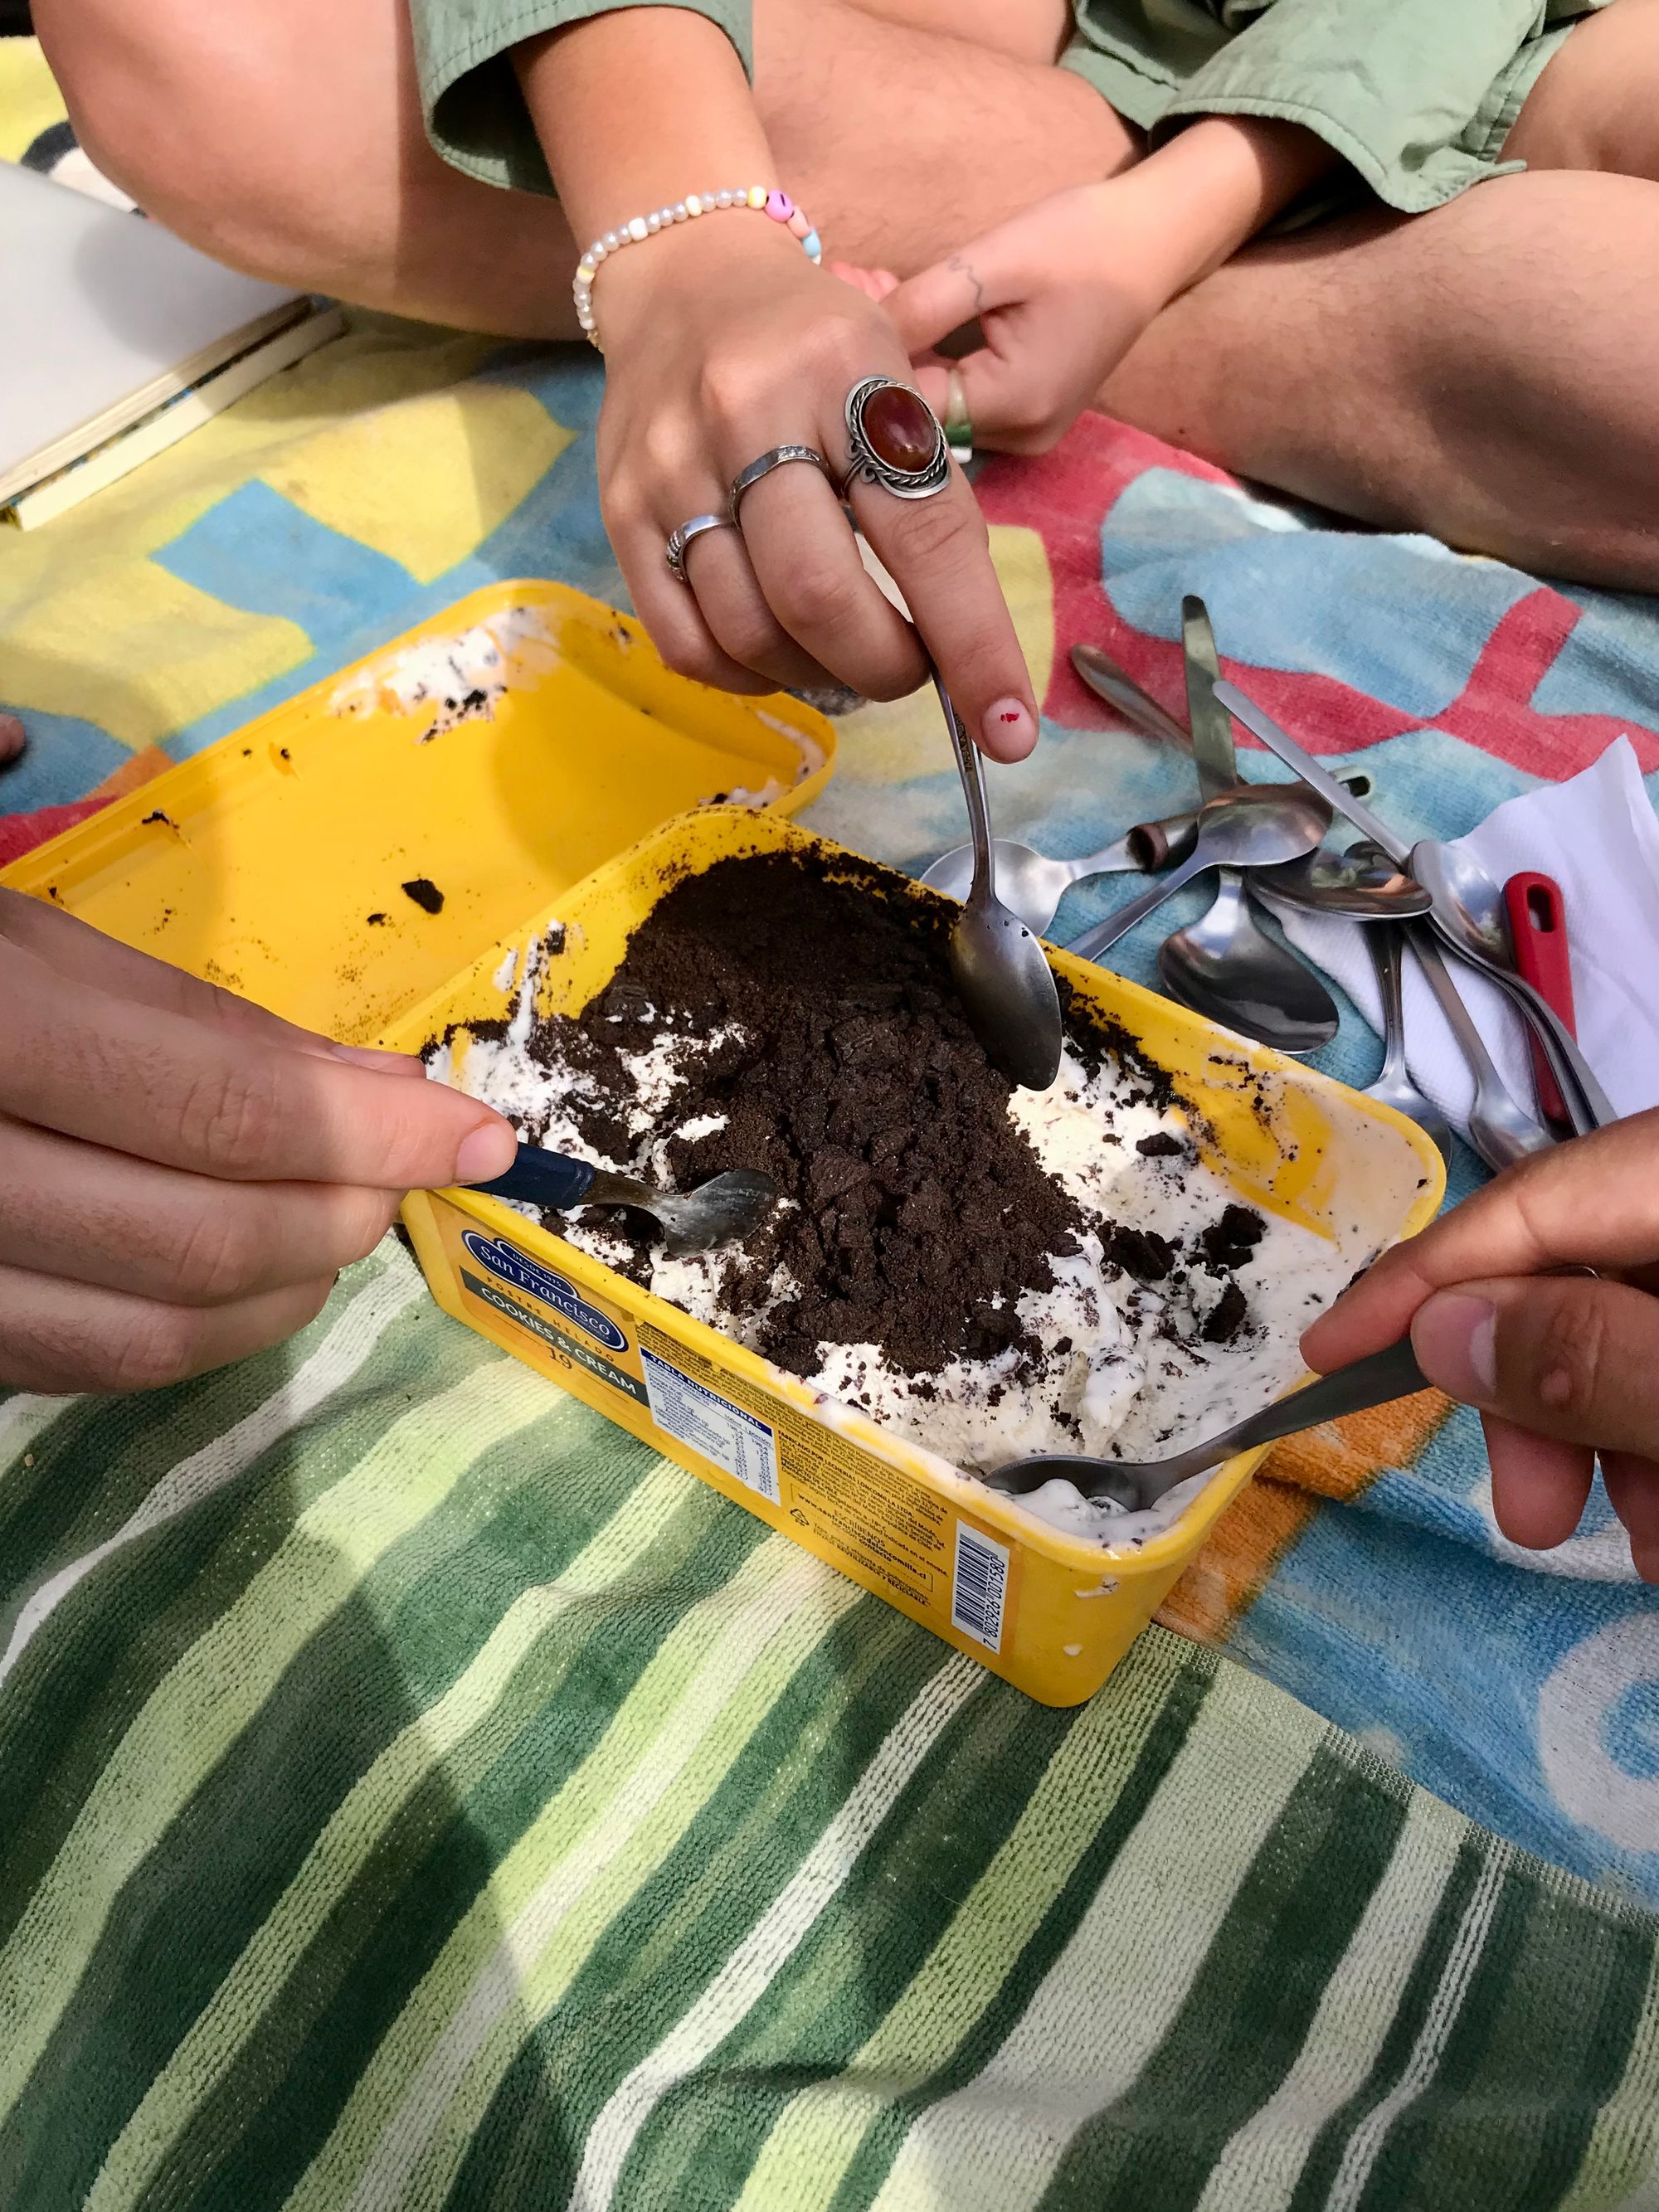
(1128, 1374)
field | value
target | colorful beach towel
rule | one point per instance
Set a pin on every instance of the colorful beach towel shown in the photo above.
(416, 1794)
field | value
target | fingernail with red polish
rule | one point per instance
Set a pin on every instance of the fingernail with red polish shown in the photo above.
(1010, 729)
(488, 1152)
(1455, 1339)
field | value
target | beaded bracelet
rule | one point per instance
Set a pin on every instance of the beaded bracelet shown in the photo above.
(777, 205)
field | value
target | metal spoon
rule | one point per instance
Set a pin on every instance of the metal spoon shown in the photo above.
(1469, 915)
(1120, 690)
(1364, 884)
(1005, 982)
(722, 1211)
(1228, 969)
(1226, 966)
(1394, 1085)
(1136, 1485)
(1448, 878)
(1255, 826)
(1030, 881)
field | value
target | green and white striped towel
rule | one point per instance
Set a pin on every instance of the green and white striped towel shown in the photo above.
(415, 1794)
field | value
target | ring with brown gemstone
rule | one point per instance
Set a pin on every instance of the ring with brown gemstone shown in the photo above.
(894, 439)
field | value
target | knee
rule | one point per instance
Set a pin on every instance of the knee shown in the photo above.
(1593, 107)
(187, 129)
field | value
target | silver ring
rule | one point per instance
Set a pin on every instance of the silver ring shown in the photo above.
(674, 551)
(780, 457)
(867, 466)
(959, 424)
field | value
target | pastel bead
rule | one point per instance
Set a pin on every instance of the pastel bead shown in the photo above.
(757, 196)
(779, 206)
(800, 227)
(900, 428)
(813, 246)
(693, 203)
(585, 272)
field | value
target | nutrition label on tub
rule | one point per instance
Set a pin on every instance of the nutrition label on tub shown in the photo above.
(743, 1445)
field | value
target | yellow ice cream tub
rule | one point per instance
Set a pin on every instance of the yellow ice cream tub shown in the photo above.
(1048, 1612)
(277, 862)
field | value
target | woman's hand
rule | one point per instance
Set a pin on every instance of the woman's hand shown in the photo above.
(722, 340)
(1063, 291)
(182, 1175)
(1562, 1367)
(1059, 294)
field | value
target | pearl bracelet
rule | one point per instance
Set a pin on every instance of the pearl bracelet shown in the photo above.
(777, 205)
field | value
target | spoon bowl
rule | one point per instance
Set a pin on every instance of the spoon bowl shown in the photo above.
(724, 1210)
(1362, 884)
(1031, 885)
(1253, 826)
(1005, 984)
(1227, 969)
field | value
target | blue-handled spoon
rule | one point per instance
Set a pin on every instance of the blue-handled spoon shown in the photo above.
(723, 1211)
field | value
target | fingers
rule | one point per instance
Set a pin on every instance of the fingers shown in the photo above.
(875, 283)
(928, 306)
(1009, 400)
(670, 610)
(1593, 1203)
(75, 949)
(57, 1336)
(1633, 1486)
(89, 1215)
(720, 570)
(1562, 1357)
(233, 1105)
(819, 591)
(938, 552)
(1538, 1485)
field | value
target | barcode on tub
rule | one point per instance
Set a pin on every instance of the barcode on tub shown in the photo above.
(978, 1586)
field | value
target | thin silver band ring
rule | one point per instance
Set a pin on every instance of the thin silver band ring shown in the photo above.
(779, 458)
(674, 551)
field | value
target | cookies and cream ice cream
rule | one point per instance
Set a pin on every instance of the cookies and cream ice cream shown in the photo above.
(988, 1271)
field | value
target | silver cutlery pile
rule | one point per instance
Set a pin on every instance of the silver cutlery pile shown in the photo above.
(1267, 846)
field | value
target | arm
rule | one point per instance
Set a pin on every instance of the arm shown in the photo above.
(722, 341)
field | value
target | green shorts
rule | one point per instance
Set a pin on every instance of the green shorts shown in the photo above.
(1419, 96)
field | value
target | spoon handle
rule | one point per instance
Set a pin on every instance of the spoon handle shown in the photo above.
(1362, 1384)
(1118, 688)
(1384, 943)
(1327, 785)
(554, 1180)
(971, 768)
(1093, 942)
(1588, 1104)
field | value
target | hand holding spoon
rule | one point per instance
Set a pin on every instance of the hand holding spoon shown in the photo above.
(1135, 1485)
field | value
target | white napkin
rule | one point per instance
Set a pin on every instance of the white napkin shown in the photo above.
(1598, 837)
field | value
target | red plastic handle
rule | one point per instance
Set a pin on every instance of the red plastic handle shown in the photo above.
(1538, 925)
